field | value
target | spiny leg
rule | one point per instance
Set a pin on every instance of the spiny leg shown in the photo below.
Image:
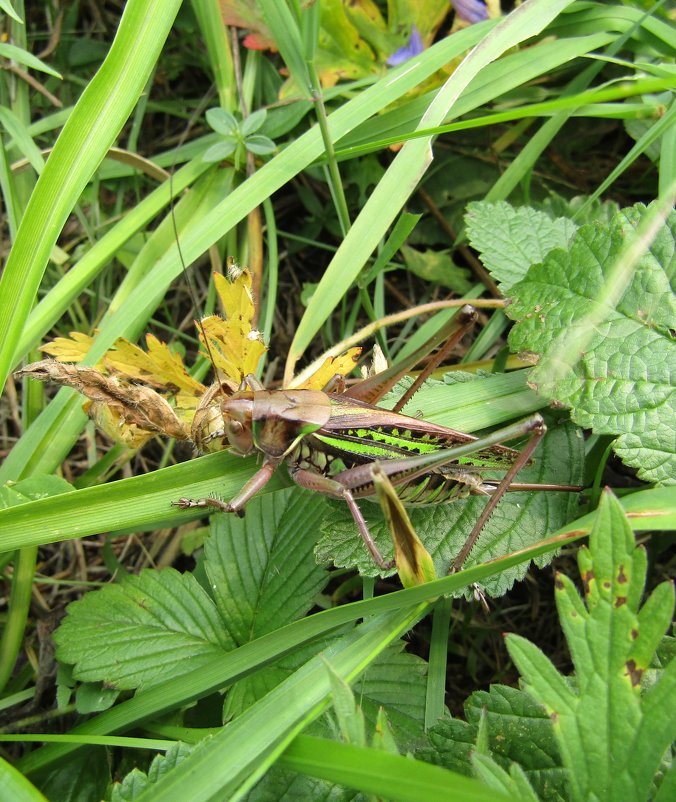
(374, 388)
(537, 431)
(334, 489)
(236, 504)
(466, 319)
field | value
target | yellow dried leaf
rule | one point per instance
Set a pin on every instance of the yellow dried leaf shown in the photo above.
(69, 349)
(234, 346)
(236, 297)
(158, 366)
(332, 366)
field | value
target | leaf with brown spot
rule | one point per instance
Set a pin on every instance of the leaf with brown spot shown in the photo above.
(612, 639)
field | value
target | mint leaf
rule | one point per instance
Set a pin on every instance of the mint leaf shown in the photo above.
(520, 519)
(611, 736)
(142, 631)
(510, 240)
(611, 360)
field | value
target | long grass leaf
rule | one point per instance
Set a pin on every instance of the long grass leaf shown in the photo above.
(90, 130)
(401, 178)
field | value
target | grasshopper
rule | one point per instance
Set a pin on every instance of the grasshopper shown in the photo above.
(331, 439)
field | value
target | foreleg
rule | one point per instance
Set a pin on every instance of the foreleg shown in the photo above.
(236, 504)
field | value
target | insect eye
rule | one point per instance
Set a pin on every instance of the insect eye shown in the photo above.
(235, 427)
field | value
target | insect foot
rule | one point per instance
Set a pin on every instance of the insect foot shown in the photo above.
(204, 503)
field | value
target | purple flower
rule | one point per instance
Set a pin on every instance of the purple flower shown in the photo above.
(413, 48)
(470, 10)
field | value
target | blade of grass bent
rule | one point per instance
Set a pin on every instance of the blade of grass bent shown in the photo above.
(230, 763)
(90, 130)
(389, 776)
(401, 178)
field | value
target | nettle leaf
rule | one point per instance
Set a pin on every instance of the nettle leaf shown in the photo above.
(518, 731)
(612, 364)
(520, 519)
(612, 737)
(142, 631)
(397, 682)
(510, 240)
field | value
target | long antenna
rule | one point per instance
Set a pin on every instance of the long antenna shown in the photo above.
(172, 212)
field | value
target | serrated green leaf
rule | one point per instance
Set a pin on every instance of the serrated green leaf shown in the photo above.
(348, 713)
(510, 240)
(139, 633)
(396, 681)
(519, 732)
(519, 520)
(611, 738)
(263, 575)
(281, 785)
(612, 361)
(513, 782)
(261, 568)
(136, 782)
(84, 775)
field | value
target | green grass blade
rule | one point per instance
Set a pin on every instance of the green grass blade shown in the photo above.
(403, 175)
(388, 776)
(92, 127)
(16, 787)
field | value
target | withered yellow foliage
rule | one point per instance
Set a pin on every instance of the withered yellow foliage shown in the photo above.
(332, 366)
(135, 393)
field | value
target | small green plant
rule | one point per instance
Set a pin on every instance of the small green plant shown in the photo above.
(237, 137)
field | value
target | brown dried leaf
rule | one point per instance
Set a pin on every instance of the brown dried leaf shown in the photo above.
(130, 405)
